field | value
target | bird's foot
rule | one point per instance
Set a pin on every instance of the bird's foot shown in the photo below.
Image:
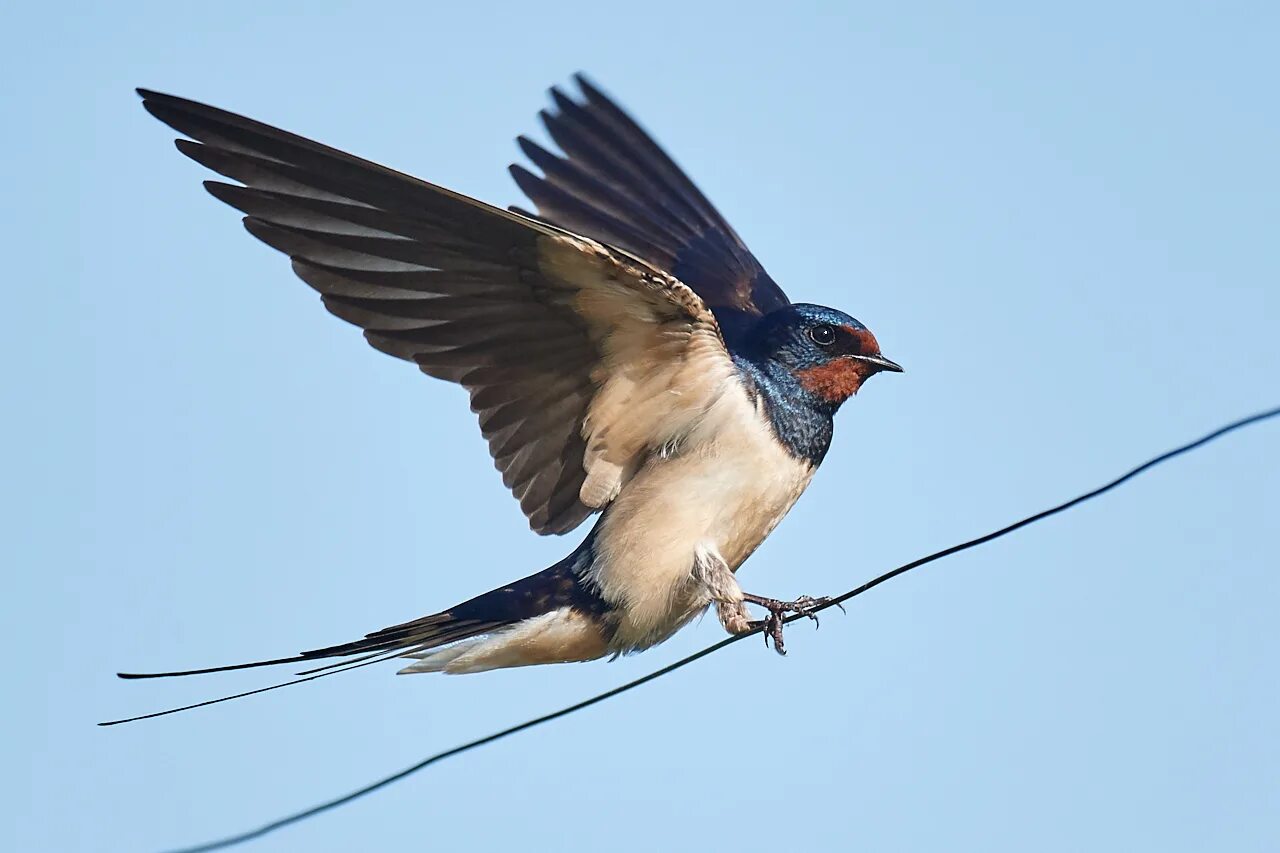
(771, 626)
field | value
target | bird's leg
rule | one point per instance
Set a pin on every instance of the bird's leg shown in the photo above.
(721, 587)
(771, 626)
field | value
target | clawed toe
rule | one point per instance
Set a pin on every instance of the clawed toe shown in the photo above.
(771, 627)
(806, 604)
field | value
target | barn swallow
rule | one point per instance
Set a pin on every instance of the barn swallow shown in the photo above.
(625, 352)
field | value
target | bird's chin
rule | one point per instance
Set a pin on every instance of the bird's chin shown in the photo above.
(836, 381)
(855, 385)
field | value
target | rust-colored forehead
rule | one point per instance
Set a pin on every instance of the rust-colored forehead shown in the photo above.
(861, 340)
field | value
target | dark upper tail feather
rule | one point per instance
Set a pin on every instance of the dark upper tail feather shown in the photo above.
(534, 595)
(209, 669)
(434, 630)
(419, 635)
(548, 590)
(346, 665)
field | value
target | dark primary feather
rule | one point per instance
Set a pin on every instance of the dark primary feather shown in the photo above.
(432, 277)
(614, 183)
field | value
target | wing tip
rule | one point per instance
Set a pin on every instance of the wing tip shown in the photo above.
(529, 148)
(588, 87)
(152, 95)
(527, 181)
(562, 102)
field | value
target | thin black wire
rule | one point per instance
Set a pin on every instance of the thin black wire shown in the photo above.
(683, 662)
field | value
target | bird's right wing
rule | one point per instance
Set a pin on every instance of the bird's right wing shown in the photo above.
(579, 358)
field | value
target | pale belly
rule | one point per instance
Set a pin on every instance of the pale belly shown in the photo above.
(724, 494)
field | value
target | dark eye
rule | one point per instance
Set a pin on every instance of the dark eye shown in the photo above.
(822, 335)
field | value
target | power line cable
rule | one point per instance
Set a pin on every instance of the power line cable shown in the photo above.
(240, 838)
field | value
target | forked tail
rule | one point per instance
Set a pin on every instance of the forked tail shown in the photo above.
(548, 617)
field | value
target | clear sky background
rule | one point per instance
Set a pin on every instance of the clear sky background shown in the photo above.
(1063, 222)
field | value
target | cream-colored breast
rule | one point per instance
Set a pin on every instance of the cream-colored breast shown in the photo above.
(726, 486)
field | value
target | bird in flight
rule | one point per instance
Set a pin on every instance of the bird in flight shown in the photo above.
(626, 354)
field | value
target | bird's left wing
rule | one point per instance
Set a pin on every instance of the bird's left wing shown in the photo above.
(579, 358)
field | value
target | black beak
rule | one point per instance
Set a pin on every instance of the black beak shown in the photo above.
(880, 362)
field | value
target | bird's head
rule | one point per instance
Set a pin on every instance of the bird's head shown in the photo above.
(829, 353)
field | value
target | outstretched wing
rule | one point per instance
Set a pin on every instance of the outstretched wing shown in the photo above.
(579, 359)
(615, 184)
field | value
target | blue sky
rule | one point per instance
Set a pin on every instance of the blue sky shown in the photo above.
(1062, 222)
